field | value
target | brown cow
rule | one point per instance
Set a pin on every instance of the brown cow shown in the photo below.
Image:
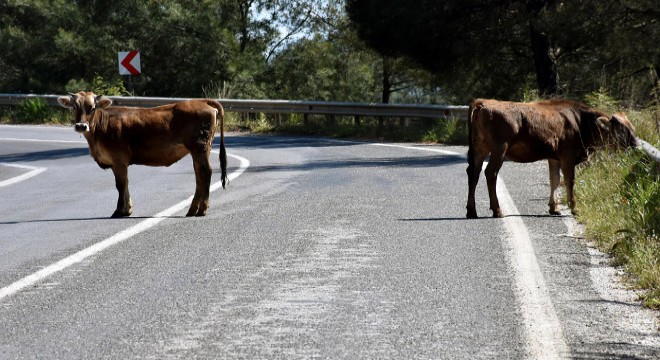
(564, 132)
(160, 136)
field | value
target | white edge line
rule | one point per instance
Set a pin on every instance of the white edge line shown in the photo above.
(541, 324)
(34, 171)
(440, 151)
(113, 240)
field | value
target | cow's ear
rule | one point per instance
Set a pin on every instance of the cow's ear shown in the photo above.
(603, 123)
(66, 101)
(103, 102)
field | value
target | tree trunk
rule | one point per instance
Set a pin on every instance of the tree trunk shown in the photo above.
(545, 64)
(544, 60)
(387, 83)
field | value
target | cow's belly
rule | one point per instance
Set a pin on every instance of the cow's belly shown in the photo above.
(161, 156)
(525, 152)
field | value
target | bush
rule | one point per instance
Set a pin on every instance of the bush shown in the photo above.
(33, 110)
(99, 86)
(448, 131)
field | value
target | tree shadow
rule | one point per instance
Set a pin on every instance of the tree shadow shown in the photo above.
(45, 155)
(533, 216)
(252, 141)
(462, 218)
(37, 221)
(388, 162)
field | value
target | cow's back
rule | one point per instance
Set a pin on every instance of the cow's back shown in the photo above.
(529, 131)
(158, 136)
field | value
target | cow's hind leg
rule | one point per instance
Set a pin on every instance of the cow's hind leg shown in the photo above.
(493, 168)
(124, 203)
(203, 171)
(569, 180)
(553, 202)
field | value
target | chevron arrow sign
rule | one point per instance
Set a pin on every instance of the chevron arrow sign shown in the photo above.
(129, 63)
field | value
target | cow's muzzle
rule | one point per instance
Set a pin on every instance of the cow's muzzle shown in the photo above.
(81, 127)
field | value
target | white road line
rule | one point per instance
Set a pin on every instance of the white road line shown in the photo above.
(113, 240)
(34, 171)
(440, 151)
(541, 324)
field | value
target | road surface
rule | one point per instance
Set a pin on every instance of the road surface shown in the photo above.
(317, 249)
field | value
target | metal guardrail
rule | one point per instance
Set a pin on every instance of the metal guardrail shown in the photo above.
(651, 151)
(304, 107)
(284, 106)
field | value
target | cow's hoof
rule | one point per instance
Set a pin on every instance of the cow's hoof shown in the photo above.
(471, 214)
(196, 213)
(498, 213)
(120, 214)
(554, 212)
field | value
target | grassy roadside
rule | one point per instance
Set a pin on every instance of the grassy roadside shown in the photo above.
(619, 203)
(447, 131)
(35, 112)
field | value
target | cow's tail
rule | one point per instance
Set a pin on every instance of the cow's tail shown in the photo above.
(470, 115)
(223, 152)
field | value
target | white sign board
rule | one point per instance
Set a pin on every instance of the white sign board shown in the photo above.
(129, 63)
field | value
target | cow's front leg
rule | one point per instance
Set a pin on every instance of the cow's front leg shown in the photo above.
(569, 179)
(553, 202)
(124, 204)
(475, 163)
(491, 172)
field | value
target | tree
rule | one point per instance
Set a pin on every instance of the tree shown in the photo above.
(493, 48)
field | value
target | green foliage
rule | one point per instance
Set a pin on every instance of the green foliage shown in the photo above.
(489, 48)
(448, 131)
(619, 202)
(33, 110)
(601, 99)
(250, 49)
(102, 87)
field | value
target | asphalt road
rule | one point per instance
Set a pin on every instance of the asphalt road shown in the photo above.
(317, 249)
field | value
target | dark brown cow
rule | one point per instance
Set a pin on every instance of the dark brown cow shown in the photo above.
(160, 136)
(564, 132)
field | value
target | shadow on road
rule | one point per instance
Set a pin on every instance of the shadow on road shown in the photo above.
(390, 162)
(279, 142)
(45, 155)
(534, 216)
(89, 219)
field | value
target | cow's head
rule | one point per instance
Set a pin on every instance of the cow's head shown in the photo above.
(84, 104)
(617, 131)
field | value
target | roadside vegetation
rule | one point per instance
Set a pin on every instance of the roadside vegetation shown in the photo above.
(619, 204)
